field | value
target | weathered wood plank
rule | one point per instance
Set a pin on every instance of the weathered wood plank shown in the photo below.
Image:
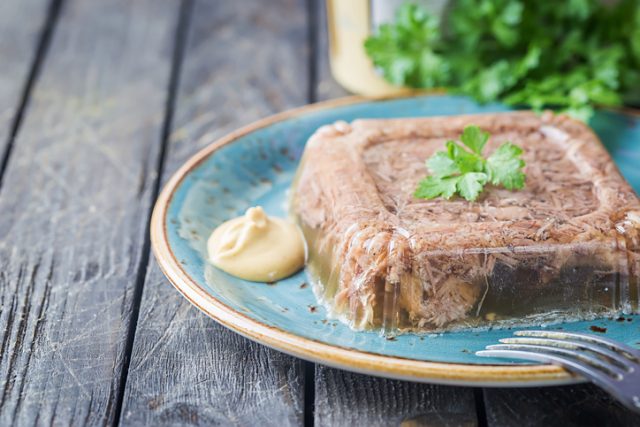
(343, 398)
(569, 406)
(346, 399)
(75, 201)
(21, 26)
(243, 60)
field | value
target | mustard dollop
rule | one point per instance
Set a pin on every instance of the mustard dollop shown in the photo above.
(257, 247)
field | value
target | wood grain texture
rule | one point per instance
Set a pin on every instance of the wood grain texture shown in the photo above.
(569, 406)
(346, 399)
(343, 398)
(75, 202)
(21, 25)
(243, 61)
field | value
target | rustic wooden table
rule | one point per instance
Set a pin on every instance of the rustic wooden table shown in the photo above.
(100, 101)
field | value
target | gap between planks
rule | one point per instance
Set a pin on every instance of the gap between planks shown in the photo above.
(481, 410)
(312, 43)
(42, 46)
(174, 79)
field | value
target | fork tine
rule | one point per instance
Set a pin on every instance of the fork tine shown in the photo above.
(630, 352)
(629, 399)
(621, 360)
(612, 370)
(573, 365)
(598, 377)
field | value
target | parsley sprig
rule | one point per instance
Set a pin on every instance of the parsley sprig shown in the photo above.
(569, 55)
(463, 170)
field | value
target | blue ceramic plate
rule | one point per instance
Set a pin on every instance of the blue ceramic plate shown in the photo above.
(254, 166)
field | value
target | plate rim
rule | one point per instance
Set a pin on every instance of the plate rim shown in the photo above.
(309, 349)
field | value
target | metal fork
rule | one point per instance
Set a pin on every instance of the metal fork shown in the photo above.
(613, 366)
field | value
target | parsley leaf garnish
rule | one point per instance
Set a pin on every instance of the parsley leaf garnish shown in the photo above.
(440, 164)
(504, 167)
(464, 171)
(471, 184)
(433, 186)
(474, 138)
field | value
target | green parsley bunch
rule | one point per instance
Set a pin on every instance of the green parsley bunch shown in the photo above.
(462, 169)
(570, 55)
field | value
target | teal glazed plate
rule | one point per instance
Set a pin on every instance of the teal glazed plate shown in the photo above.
(255, 166)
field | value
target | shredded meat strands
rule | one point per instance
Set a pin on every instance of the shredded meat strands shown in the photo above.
(384, 259)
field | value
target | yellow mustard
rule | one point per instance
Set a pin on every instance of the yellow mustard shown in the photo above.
(257, 247)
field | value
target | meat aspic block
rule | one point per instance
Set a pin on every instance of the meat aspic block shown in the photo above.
(567, 246)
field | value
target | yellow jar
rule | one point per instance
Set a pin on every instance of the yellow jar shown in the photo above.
(350, 23)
